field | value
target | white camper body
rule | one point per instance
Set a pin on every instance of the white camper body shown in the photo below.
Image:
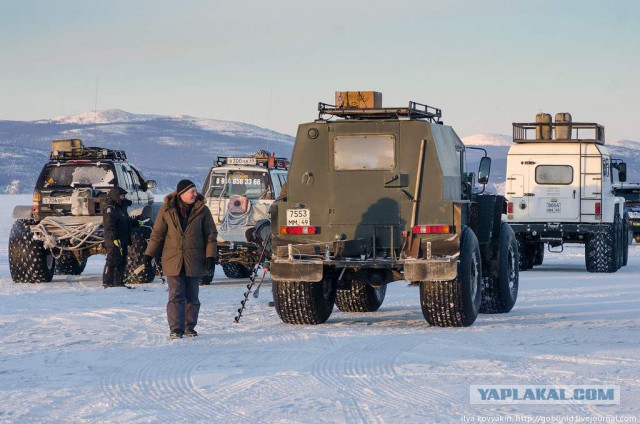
(560, 182)
(559, 189)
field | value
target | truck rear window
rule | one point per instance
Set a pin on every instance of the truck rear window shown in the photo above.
(364, 152)
(72, 175)
(554, 174)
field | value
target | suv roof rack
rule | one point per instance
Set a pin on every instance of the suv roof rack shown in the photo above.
(266, 162)
(413, 111)
(87, 153)
(522, 132)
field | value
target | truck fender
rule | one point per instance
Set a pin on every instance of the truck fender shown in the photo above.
(22, 212)
(147, 211)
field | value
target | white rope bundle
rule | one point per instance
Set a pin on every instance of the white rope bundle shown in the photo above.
(69, 237)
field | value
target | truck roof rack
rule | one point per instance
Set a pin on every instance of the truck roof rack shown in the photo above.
(522, 132)
(88, 153)
(266, 162)
(413, 111)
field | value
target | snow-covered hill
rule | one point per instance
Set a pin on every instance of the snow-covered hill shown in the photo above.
(483, 140)
(164, 148)
(169, 148)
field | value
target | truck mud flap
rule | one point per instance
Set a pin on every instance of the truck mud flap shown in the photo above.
(296, 271)
(431, 270)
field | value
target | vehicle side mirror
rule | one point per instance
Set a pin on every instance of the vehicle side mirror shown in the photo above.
(150, 184)
(622, 172)
(484, 170)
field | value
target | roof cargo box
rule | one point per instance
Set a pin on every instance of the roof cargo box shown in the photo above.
(358, 99)
(70, 145)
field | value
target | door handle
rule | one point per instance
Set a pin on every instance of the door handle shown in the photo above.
(574, 194)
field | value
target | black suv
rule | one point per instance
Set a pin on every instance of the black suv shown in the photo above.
(63, 226)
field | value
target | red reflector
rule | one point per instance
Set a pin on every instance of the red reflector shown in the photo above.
(598, 208)
(510, 207)
(433, 229)
(298, 229)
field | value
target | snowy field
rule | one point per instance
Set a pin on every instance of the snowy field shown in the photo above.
(71, 351)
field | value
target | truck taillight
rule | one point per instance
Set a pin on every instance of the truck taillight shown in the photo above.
(36, 203)
(598, 208)
(433, 229)
(510, 207)
(299, 229)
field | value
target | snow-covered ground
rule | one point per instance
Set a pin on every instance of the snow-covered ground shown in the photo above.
(71, 351)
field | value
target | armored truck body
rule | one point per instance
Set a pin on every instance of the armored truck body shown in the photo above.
(379, 195)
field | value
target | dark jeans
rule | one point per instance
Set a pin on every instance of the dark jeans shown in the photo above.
(183, 306)
(114, 266)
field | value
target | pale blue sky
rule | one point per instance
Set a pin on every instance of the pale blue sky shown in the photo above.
(485, 63)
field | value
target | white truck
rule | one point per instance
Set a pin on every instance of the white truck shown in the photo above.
(559, 190)
(239, 192)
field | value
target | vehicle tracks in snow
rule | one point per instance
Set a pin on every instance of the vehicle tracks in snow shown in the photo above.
(364, 374)
(162, 380)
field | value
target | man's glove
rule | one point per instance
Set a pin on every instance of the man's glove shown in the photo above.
(211, 263)
(147, 261)
(118, 246)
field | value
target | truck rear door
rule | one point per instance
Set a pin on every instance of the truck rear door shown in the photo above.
(552, 188)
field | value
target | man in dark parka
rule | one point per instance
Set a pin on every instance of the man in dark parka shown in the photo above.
(185, 235)
(117, 236)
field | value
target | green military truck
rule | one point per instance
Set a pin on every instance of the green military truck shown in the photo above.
(375, 195)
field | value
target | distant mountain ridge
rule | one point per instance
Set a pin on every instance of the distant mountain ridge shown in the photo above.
(170, 148)
(164, 148)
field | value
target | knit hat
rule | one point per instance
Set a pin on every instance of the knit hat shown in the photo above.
(184, 185)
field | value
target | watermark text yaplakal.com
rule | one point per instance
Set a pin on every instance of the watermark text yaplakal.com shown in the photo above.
(545, 394)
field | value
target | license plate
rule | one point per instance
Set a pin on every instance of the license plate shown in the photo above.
(298, 217)
(56, 200)
(553, 207)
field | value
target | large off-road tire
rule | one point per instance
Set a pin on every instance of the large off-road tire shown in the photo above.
(205, 280)
(360, 297)
(68, 264)
(456, 303)
(135, 257)
(304, 302)
(500, 294)
(601, 252)
(538, 254)
(236, 270)
(29, 261)
(524, 253)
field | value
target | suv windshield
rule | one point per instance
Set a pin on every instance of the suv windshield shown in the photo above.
(75, 174)
(252, 184)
